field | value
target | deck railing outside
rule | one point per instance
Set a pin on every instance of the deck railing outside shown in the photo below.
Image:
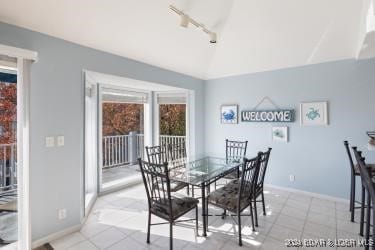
(115, 150)
(125, 149)
(171, 139)
(8, 169)
(140, 145)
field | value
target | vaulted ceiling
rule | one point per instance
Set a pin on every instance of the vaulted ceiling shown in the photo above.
(253, 35)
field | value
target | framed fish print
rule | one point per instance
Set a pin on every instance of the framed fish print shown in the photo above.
(314, 113)
(229, 114)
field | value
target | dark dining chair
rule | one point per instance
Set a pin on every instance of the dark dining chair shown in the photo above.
(369, 185)
(354, 172)
(234, 151)
(160, 155)
(160, 201)
(237, 195)
(263, 163)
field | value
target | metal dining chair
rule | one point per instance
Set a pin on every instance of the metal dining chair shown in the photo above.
(237, 195)
(234, 151)
(263, 163)
(159, 155)
(369, 185)
(354, 173)
(160, 201)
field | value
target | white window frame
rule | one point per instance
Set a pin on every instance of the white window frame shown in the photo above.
(190, 120)
(23, 138)
(147, 131)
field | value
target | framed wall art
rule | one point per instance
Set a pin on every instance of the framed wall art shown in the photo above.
(280, 134)
(229, 114)
(314, 113)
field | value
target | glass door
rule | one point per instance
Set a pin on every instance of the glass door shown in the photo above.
(8, 152)
(172, 118)
(122, 121)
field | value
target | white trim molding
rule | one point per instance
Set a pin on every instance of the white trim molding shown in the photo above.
(55, 236)
(312, 194)
(18, 52)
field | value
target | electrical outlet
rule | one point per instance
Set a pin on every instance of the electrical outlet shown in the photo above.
(60, 140)
(62, 214)
(50, 141)
(291, 178)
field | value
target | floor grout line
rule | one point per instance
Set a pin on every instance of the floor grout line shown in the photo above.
(276, 200)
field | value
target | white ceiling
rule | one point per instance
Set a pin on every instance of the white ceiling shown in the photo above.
(253, 35)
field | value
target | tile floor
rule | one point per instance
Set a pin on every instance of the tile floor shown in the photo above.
(119, 221)
(120, 174)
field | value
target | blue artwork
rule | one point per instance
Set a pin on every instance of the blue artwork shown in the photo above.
(313, 114)
(229, 114)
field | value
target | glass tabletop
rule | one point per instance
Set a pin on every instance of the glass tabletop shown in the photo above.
(196, 171)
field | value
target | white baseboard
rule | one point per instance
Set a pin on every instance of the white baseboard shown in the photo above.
(56, 236)
(129, 183)
(316, 195)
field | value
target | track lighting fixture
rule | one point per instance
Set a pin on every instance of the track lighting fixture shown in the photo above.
(213, 37)
(186, 20)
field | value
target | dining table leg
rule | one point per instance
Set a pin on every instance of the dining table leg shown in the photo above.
(204, 212)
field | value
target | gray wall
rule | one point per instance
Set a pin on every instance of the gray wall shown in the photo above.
(57, 109)
(315, 155)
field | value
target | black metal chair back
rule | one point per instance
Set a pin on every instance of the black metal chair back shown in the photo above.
(156, 180)
(365, 173)
(263, 163)
(157, 154)
(248, 179)
(177, 155)
(352, 169)
(368, 185)
(235, 150)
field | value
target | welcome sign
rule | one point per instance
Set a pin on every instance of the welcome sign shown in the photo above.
(283, 115)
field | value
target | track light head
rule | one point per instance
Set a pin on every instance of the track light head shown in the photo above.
(185, 20)
(213, 37)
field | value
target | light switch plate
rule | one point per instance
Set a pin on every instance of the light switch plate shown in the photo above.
(50, 141)
(60, 140)
(292, 178)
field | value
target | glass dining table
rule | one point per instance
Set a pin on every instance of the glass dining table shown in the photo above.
(202, 172)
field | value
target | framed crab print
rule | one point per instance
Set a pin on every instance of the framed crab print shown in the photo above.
(314, 113)
(229, 114)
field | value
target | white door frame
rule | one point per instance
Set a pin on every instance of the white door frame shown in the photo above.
(24, 59)
(90, 86)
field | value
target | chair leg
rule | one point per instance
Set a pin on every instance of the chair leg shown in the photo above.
(252, 217)
(361, 223)
(373, 230)
(368, 218)
(239, 229)
(148, 228)
(188, 190)
(196, 221)
(351, 193)
(171, 235)
(352, 199)
(256, 212)
(192, 191)
(264, 205)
